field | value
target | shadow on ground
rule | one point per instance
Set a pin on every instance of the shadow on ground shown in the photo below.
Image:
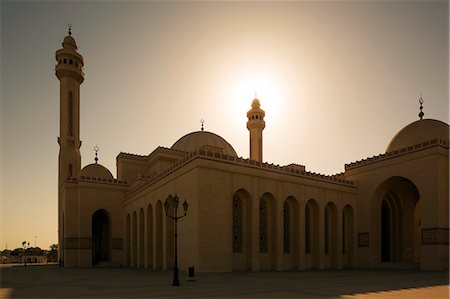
(55, 282)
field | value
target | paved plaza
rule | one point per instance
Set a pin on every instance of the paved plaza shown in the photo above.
(43, 281)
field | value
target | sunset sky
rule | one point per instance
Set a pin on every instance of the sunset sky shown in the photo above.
(337, 81)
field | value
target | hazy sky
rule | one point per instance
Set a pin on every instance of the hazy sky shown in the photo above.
(337, 81)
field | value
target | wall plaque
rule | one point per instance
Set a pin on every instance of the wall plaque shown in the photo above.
(435, 236)
(363, 239)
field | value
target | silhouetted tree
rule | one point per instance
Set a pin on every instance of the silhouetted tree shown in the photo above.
(52, 254)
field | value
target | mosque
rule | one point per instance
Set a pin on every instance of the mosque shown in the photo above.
(244, 214)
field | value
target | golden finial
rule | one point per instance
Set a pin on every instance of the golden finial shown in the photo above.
(202, 121)
(70, 29)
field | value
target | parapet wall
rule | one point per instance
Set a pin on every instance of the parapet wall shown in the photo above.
(406, 150)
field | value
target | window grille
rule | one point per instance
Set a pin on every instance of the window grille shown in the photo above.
(237, 224)
(287, 228)
(262, 226)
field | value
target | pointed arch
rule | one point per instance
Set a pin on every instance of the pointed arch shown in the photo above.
(241, 230)
(291, 233)
(149, 245)
(312, 234)
(141, 245)
(128, 240)
(158, 235)
(134, 240)
(101, 235)
(267, 232)
(396, 221)
(330, 235)
(170, 243)
(348, 236)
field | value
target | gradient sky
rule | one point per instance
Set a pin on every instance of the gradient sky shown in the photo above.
(337, 81)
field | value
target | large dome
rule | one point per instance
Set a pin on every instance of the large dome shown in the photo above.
(96, 171)
(195, 140)
(418, 132)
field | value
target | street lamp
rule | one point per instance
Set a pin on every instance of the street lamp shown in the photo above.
(172, 201)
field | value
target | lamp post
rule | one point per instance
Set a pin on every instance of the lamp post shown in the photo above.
(172, 201)
(25, 245)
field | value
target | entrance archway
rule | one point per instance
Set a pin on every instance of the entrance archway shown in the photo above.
(100, 237)
(397, 221)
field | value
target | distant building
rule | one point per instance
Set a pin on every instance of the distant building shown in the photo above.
(31, 259)
(246, 214)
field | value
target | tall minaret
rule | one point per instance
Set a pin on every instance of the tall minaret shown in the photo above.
(69, 70)
(256, 125)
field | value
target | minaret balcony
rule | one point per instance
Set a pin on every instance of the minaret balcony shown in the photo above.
(68, 70)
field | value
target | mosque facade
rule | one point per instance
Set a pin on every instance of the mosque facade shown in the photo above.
(243, 214)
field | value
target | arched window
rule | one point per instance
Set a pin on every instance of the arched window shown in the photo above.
(237, 224)
(286, 228)
(262, 226)
(327, 230)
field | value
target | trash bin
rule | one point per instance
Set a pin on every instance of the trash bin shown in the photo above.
(191, 273)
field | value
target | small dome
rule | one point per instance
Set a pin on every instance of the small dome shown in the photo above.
(195, 140)
(69, 43)
(418, 132)
(96, 171)
(256, 103)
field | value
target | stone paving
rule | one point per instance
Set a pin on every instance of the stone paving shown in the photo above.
(53, 282)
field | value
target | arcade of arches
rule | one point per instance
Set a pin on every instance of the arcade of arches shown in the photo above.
(294, 224)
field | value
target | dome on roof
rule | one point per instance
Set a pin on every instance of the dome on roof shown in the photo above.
(96, 171)
(195, 140)
(256, 103)
(69, 43)
(418, 132)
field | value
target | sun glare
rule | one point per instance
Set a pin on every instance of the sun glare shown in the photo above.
(265, 87)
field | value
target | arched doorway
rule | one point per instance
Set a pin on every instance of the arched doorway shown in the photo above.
(397, 222)
(100, 237)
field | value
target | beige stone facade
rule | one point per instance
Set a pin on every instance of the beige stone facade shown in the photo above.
(245, 214)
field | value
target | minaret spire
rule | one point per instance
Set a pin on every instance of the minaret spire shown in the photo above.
(256, 125)
(70, 74)
(69, 71)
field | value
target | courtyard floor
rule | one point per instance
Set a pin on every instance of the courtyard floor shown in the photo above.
(50, 281)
